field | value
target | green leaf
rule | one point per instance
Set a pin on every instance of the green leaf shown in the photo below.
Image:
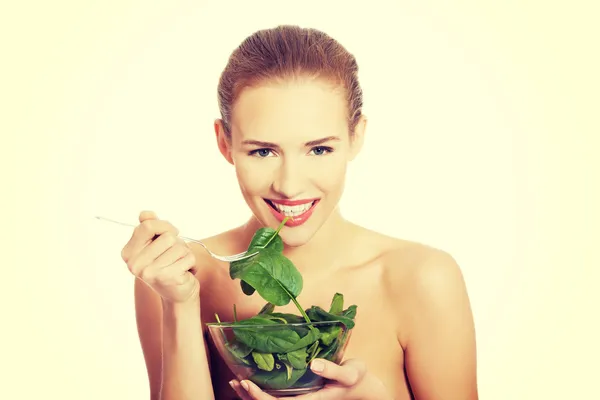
(312, 336)
(278, 378)
(328, 352)
(269, 272)
(264, 361)
(288, 368)
(273, 318)
(266, 238)
(330, 335)
(265, 340)
(302, 330)
(297, 358)
(337, 304)
(313, 348)
(267, 309)
(313, 351)
(316, 313)
(239, 351)
(290, 318)
(247, 289)
(350, 312)
(272, 275)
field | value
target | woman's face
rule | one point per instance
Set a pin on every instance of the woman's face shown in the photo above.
(290, 147)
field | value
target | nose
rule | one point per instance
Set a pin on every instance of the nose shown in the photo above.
(289, 179)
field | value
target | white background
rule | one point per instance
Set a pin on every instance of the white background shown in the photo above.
(481, 139)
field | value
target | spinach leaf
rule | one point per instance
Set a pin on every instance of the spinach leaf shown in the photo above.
(337, 304)
(267, 309)
(239, 351)
(288, 368)
(265, 340)
(330, 335)
(274, 318)
(264, 361)
(350, 312)
(316, 313)
(246, 288)
(271, 274)
(297, 358)
(312, 351)
(266, 238)
(312, 336)
(271, 341)
(290, 318)
(278, 378)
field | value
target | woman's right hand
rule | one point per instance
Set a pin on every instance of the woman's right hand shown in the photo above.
(157, 256)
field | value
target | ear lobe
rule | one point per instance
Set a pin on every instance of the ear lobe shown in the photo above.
(223, 142)
(358, 137)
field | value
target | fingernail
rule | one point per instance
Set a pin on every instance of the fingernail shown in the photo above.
(245, 385)
(231, 384)
(317, 366)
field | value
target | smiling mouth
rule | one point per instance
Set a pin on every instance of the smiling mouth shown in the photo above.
(292, 211)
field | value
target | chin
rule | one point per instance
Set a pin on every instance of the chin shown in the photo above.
(294, 237)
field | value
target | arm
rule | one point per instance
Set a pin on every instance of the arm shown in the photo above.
(173, 345)
(440, 350)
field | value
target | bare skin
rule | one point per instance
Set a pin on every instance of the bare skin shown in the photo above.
(414, 335)
(403, 289)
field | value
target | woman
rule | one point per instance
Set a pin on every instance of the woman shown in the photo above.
(291, 122)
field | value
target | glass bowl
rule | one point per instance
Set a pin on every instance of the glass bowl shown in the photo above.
(277, 356)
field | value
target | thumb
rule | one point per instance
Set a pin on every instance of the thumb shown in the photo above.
(348, 373)
(146, 215)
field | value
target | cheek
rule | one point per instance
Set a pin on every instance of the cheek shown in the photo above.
(331, 176)
(252, 178)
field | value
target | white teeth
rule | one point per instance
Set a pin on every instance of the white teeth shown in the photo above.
(293, 211)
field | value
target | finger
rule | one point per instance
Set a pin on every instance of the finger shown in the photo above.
(173, 265)
(255, 392)
(179, 256)
(146, 215)
(173, 275)
(176, 252)
(237, 388)
(152, 252)
(144, 234)
(349, 373)
(177, 273)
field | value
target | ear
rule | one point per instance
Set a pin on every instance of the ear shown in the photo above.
(358, 138)
(223, 141)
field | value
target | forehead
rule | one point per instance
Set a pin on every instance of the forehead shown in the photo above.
(302, 110)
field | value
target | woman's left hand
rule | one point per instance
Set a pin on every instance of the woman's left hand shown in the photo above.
(348, 381)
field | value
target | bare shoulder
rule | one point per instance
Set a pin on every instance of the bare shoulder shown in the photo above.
(434, 317)
(421, 269)
(425, 280)
(405, 259)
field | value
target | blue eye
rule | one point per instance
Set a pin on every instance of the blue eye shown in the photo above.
(262, 153)
(320, 150)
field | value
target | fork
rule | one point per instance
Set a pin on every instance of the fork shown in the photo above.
(232, 258)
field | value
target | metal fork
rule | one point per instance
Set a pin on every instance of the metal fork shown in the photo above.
(232, 258)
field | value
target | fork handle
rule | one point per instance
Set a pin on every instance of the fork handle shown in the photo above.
(134, 226)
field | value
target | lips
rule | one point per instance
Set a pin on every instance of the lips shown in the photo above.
(298, 211)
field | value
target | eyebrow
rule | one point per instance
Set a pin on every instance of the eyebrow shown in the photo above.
(307, 144)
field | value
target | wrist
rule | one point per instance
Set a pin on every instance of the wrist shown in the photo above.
(182, 307)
